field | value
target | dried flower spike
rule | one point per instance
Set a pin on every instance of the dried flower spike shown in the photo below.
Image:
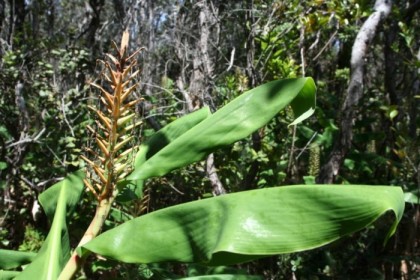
(115, 122)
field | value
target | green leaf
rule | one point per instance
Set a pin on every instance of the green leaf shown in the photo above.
(3, 165)
(4, 133)
(244, 226)
(236, 120)
(411, 197)
(58, 202)
(309, 180)
(393, 114)
(155, 143)
(71, 188)
(12, 259)
(168, 134)
(5, 275)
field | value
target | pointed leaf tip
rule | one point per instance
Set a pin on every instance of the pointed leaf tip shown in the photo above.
(236, 120)
(244, 226)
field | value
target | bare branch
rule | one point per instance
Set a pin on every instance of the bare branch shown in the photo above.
(355, 90)
(218, 188)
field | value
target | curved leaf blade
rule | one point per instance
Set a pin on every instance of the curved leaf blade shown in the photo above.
(236, 120)
(12, 259)
(244, 226)
(168, 134)
(72, 186)
(58, 202)
(134, 189)
(5, 275)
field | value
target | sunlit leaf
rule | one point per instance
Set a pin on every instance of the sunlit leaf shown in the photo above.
(236, 120)
(244, 226)
(169, 133)
(134, 189)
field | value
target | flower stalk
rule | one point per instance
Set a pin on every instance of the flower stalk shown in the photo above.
(108, 165)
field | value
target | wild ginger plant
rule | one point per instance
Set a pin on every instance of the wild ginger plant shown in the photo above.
(223, 230)
(112, 136)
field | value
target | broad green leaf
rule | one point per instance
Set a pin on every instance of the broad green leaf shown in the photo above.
(154, 144)
(5, 275)
(236, 120)
(168, 134)
(12, 259)
(244, 226)
(72, 186)
(58, 202)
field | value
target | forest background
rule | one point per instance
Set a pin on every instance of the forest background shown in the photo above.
(207, 53)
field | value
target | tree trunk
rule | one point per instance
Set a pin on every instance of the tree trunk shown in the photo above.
(194, 46)
(17, 19)
(95, 23)
(354, 92)
(2, 14)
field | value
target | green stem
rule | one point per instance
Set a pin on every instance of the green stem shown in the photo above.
(76, 262)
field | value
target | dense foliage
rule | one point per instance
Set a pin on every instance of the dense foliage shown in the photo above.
(206, 53)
